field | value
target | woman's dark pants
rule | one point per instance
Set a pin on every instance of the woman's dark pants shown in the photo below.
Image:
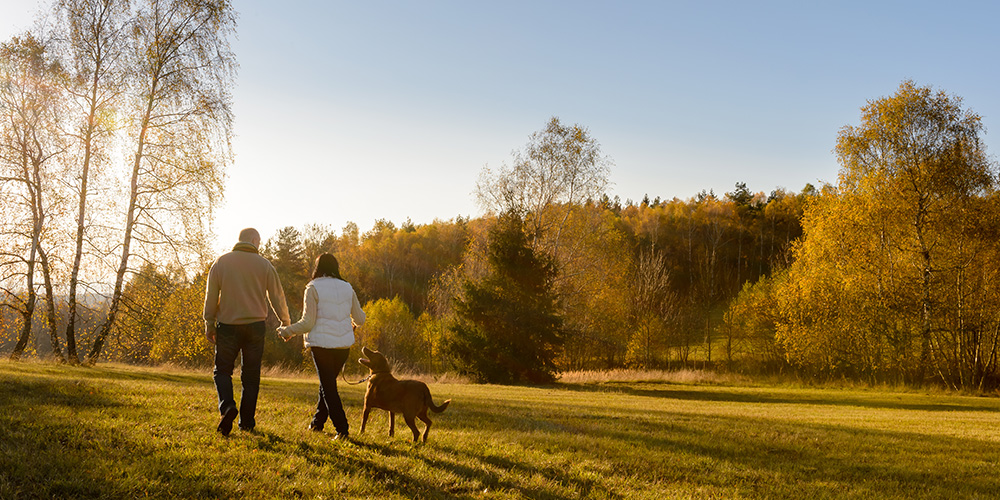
(329, 362)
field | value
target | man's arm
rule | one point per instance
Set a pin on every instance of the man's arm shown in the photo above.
(276, 296)
(211, 304)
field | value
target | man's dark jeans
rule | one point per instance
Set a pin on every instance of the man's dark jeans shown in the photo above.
(329, 362)
(230, 340)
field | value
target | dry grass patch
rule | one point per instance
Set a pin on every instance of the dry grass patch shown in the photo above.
(684, 376)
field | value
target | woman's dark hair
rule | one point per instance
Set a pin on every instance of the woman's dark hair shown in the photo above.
(327, 265)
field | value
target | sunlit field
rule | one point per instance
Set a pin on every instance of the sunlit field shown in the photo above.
(124, 432)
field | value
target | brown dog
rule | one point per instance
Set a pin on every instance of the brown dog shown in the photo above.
(412, 398)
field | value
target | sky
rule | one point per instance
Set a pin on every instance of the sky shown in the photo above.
(359, 111)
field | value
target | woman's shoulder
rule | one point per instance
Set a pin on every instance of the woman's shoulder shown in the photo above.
(328, 282)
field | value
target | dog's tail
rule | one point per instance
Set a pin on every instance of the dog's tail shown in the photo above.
(432, 406)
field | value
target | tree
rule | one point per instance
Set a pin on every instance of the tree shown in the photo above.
(918, 160)
(286, 253)
(559, 168)
(403, 263)
(29, 101)
(143, 306)
(751, 320)
(507, 329)
(95, 44)
(548, 184)
(592, 288)
(893, 277)
(392, 329)
(380, 251)
(179, 328)
(653, 309)
(180, 132)
(318, 239)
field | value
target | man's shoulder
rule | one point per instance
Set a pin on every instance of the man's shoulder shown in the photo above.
(237, 257)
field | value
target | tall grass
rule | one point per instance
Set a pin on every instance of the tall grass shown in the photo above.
(125, 432)
(684, 376)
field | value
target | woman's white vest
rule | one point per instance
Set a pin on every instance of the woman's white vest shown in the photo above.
(333, 328)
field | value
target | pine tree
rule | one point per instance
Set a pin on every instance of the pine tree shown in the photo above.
(507, 329)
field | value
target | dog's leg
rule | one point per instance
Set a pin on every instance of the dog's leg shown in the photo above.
(392, 424)
(411, 421)
(425, 419)
(364, 418)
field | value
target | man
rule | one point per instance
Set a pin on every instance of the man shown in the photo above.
(240, 285)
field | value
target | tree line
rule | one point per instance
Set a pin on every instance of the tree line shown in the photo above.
(639, 284)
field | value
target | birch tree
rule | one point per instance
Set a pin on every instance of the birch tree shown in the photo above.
(29, 144)
(179, 131)
(95, 44)
(560, 167)
(918, 158)
(895, 275)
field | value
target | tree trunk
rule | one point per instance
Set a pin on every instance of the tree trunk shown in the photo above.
(95, 351)
(101, 36)
(74, 278)
(26, 314)
(50, 303)
(29, 305)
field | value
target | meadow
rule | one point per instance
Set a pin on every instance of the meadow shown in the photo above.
(117, 431)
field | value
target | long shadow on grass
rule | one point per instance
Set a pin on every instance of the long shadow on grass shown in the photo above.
(771, 458)
(730, 455)
(103, 372)
(114, 373)
(493, 469)
(821, 460)
(671, 391)
(45, 451)
(367, 459)
(476, 473)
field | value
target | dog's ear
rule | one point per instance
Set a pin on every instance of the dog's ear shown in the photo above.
(366, 351)
(365, 362)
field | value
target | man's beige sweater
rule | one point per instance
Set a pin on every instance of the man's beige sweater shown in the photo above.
(240, 285)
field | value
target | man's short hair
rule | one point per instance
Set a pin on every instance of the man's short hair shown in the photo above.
(249, 234)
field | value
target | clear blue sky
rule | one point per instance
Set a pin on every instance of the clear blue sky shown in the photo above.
(356, 111)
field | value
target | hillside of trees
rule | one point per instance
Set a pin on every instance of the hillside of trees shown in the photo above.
(641, 285)
(115, 131)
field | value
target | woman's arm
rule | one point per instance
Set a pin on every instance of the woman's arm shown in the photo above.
(357, 315)
(310, 303)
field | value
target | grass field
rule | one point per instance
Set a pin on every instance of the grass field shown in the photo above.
(126, 432)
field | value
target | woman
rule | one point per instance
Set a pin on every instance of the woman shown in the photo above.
(330, 313)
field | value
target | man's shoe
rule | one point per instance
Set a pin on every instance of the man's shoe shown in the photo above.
(226, 424)
(341, 437)
(314, 428)
(247, 429)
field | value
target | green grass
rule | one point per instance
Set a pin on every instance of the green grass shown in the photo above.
(124, 432)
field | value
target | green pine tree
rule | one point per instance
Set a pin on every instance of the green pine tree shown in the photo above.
(506, 328)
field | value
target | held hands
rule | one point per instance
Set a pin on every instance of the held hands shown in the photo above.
(284, 333)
